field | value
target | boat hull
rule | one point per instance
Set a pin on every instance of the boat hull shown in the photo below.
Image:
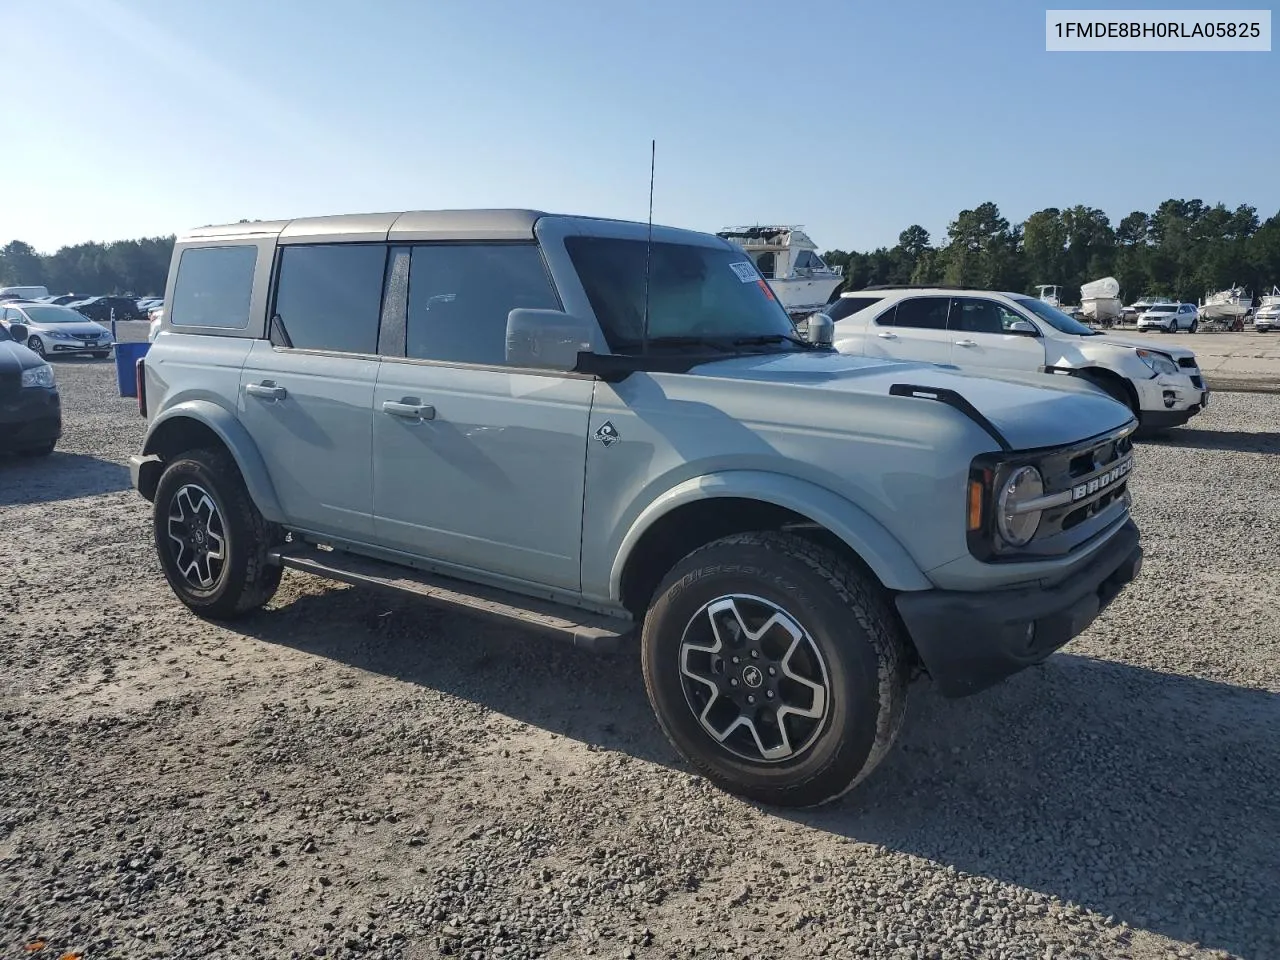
(1102, 309)
(1224, 311)
(803, 293)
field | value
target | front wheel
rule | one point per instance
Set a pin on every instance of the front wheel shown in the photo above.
(36, 346)
(777, 669)
(212, 542)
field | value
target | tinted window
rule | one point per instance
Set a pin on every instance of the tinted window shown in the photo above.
(460, 295)
(923, 313)
(328, 297)
(976, 315)
(848, 306)
(694, 291)
(214, 286)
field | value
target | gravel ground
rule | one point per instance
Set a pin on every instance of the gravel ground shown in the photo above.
(343, 775)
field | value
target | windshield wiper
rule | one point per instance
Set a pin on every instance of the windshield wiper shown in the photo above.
(767, 338)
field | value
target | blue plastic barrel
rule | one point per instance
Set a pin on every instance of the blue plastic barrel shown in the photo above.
(127, 357)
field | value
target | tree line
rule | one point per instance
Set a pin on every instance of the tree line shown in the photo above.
(132, 267)
(1183, 250)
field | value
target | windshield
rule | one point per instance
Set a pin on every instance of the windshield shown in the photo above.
(707, 293)
(54, 314)
(1056, 318)
(1163, 308)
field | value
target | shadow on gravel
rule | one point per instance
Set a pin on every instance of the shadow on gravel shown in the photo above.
(1232, 441)
(1150, 797)
(1145, 796)
(532, 678)
(60, 476)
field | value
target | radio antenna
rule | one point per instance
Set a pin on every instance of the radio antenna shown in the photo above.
(648, 250)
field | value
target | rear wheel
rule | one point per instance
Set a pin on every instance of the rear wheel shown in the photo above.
(1195, 325)
(212, 542)
(775, 667)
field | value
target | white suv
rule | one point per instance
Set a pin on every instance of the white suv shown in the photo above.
(988, 332)
(1170, 317)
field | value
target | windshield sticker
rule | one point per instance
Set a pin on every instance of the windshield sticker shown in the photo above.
(746, 271)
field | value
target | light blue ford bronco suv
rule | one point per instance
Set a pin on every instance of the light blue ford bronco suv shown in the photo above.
(601, 430)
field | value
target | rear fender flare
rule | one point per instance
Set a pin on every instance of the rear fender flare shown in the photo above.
(238, 443)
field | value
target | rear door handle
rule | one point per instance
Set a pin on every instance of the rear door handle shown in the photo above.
(267, 390)
(409, 409)
(886, 335)
(966, 343)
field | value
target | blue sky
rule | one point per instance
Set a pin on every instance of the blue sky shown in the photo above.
(145, 117)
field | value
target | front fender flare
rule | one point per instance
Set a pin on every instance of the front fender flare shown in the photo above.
(865, 535)
(238, 443)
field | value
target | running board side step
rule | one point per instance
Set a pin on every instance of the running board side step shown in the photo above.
(592, 631)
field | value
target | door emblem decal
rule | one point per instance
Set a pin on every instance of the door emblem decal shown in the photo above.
(607, 434)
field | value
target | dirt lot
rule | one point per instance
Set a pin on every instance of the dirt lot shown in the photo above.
(347, 776)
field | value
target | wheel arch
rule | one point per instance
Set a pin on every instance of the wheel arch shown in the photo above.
(202, 423)
(1101, 375)
(707, 508)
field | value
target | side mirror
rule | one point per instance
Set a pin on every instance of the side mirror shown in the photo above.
(19, 332)
(546, 339)
(822, 330)
(1024, 327)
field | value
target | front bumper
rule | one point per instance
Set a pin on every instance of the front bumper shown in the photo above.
(30, 418)
(1171, 399)
(969, 641)
(69, 347)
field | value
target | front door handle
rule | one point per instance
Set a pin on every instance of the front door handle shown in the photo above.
(886, 335)
(409, 409)
(267, 390)
(966, 343)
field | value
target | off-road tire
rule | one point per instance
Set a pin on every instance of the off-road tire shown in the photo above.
(247, 580)
(850, 620)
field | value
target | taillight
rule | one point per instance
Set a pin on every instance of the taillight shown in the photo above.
(140, 385)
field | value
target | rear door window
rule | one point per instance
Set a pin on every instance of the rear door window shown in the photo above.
(918, 313)
(214, 286)
(329, 297)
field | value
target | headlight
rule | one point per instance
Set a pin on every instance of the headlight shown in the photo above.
(1158, 362)
(59, 335)
(41, 376)
(1016, 523)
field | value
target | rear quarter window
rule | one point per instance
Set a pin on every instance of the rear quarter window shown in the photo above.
(214, 286)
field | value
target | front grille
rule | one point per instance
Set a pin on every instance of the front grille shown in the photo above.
(1187, 362)
(1093, 475)
(10, 383)
(1197, 383)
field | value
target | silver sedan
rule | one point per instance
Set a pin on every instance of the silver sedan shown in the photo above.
(56, 331)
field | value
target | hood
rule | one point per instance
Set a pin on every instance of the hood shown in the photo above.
(14, 358)
(1029, 410)
(1160, 347)
(75, 329)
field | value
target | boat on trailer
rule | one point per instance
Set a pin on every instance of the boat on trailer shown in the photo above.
(1230, 304)
(1100, 301)
(789, 261)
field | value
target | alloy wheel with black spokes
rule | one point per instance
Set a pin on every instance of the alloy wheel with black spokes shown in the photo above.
(776, 667)
(754, 677)
(197, 536)
(213, 543)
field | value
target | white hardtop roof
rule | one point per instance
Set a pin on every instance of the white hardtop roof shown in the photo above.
(494, 224)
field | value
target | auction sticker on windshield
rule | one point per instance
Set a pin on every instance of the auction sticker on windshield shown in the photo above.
(746, 271)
